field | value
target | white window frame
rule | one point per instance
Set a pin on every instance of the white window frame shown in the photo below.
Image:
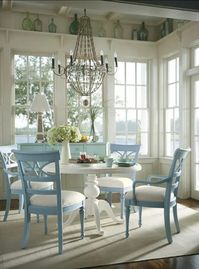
(27, 105)
(172, 108)
(136, 108)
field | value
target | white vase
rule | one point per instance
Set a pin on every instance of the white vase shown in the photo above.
(65, 152)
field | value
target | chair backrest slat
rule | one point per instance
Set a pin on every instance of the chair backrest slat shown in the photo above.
(33, 168)
(8, 162)
(176, 168)
(125, 152)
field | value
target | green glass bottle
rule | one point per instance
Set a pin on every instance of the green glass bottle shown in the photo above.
(52, 28)
(38, 24)
(74, 26)
(27, 23)
(143, 33)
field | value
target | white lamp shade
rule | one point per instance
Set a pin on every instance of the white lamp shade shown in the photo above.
(40, 103)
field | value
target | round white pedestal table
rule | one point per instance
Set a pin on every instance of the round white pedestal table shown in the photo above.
(91, 190)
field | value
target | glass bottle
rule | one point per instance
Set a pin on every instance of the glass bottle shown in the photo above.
(166, 25)
(52, 28)
(101, 31)
(162, 30)
(118, 30)
(74, 26)
(27, 23)
(135, 34)
(38, 24)
(143, 33)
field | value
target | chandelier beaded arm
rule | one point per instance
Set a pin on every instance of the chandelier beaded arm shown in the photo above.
(84, 72)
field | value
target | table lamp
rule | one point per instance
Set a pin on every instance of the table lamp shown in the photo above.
(40, 104)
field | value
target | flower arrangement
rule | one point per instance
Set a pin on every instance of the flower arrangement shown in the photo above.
(63, 133)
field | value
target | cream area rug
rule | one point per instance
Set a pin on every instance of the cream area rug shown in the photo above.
(143, 243)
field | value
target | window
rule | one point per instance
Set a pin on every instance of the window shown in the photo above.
(196, 57)
(195, 126)
(32, 75)
(172, 107)
(131, 104)
(80, 115)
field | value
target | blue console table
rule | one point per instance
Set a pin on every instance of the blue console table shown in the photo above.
(98, 149)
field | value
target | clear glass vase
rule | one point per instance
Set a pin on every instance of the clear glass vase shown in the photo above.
(93, 133)
(118, 30)
(38, 24)
(101, 31)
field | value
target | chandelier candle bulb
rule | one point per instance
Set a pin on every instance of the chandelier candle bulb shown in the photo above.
(71, 57)
(115, 58)
(106, 64)
(53, 63)
(102, 57)
(59, 67)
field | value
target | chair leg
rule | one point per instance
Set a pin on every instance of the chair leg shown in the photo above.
(81, 214)
(21, 202)
(26, 233)
(167, 224)
(127, 211)
(8, 201)
(140, 216)
(60, 232)
(45, 224)
(37, 218)
(109, 198)
(122, 204)
(175, 216)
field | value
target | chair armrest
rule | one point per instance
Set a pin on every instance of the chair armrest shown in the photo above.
(149, 178)
(10, 173)
(163, 179)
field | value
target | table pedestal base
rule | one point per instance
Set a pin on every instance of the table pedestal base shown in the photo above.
(95, 206)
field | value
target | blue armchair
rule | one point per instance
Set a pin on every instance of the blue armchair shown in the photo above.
(152, 194)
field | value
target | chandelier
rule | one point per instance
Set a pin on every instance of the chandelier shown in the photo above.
(84, 71)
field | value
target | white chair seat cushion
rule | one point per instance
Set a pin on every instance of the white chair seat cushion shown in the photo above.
(68, 198)
(148, 193)
(115, 182)
(17, 185)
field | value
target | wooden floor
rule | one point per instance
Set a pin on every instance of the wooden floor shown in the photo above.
(181, 262)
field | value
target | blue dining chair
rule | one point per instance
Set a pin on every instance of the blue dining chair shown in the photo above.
(11, 181)
(33, 167)
(158, 192)
(117, 184)
(13, 184)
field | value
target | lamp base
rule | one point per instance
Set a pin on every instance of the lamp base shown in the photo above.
(40, 132)
(40, 138)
